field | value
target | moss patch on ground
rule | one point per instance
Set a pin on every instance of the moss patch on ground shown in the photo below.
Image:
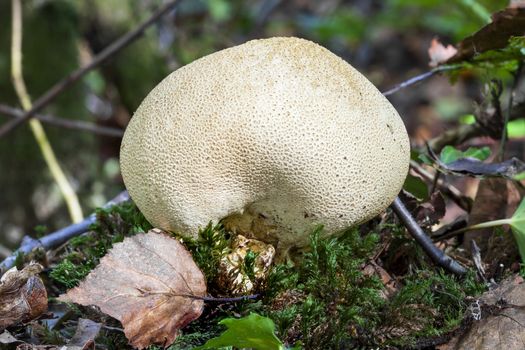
(325, 300)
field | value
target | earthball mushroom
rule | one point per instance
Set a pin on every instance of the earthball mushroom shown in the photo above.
(274, 137)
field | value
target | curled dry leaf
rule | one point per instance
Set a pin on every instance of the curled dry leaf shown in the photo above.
(7, 338)
(85, 335)
(23, 296)
(495, 35)
(438, 53)
(150, 283)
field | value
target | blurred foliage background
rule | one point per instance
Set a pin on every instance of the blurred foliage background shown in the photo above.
(387, 40)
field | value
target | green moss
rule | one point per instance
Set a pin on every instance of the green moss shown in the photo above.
(84, 252)
(324, 300)
(327, 294)
(431, 303)
(208, 249)
(327, 301)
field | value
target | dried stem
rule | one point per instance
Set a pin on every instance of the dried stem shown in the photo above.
(424, 241)
(70, 197)
(419, 78)
(65, 123)
(487, 224)
(449, 190)
(108, 52)
(507, 113)
(465, 132)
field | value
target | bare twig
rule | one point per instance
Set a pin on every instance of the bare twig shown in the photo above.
(465, 132)
(419, 78)
(108, 52)
(424, 241)
(70, 197)
(225, 300)
(64, 123)
(456, 136)
(507, 113)
(449, 190)
(59, 237)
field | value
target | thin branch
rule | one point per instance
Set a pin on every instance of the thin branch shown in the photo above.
(225, 300)
(70, 197)
(465, 132)
(449, 190)
(506, 114)
(424, 241)
(59, 237)
(64, 123)
(108, 52)
(419, 78)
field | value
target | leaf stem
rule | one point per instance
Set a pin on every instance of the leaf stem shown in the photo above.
(70, 197)
(486, 224)
(482, 225)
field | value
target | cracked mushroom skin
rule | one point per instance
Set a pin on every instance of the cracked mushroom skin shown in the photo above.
(274, 137)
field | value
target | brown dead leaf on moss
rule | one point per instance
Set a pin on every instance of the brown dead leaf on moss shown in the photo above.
(23, 296)
(150, 283)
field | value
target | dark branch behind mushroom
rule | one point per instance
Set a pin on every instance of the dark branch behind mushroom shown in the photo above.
(108, 52)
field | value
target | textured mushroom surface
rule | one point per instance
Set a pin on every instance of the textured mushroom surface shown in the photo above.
(278, 135)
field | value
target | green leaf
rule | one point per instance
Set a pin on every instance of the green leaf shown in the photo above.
(425, 159)
(478, 153)
(416, 187)
(519, 176)
(517, 223)
(220, 10)
(516, 128)
(450, 154)
(467, 119)
(253, 331)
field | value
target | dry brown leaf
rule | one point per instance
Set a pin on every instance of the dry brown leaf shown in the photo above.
(7, 338)
(495, 35)
(23, 296)
(26, 346)
(85, 335)
(438, 53)
(501, 328)
(516, 3)
(150, 283)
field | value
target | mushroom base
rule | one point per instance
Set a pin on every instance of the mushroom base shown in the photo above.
(260, 226)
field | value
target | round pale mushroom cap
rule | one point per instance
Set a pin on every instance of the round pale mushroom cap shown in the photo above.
(276, 135)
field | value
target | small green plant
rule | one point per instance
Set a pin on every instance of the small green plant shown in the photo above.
(253, 331)
(450, 154)
(69, 274)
